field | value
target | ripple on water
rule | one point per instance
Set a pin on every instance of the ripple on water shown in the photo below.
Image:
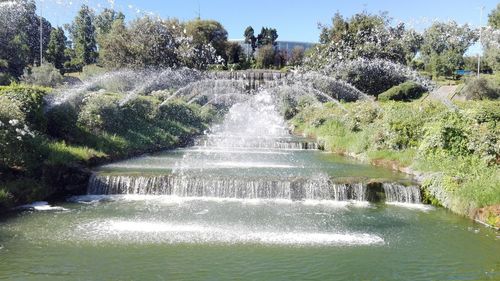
(128, 231)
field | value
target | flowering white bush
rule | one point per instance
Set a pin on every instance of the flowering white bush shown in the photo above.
(15, 137)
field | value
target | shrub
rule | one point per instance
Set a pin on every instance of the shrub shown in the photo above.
(480, 89)
(179, 111)
(45, 75)
(21, 120)
(100, 112)
(265, 56)
(61, 121)
(91, 70)
(6, 78)
(24, 103)
(370, 76)
(406, 91)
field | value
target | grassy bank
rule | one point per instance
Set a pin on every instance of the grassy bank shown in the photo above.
(456, 150)
(43, 152)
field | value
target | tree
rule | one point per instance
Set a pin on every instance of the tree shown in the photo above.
(265, 56)
(494, 17)
(491, 40)
(338, 28)
(363, 36)
(104, 21)
(16, 54)
(411, 42)
(56, 49)
(296, 56)
(20, 35)
(115, 56)
(444, 45)
(250, 38)
(204, 32)
(114, 49)
(280, 58)
(152, 42)
(445, 63)
(83, 35)
(267, 36)
(234, 53)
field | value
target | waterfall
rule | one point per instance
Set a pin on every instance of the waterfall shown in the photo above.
(320, 188)
(227, 187)
(395, 192)
(257, 143)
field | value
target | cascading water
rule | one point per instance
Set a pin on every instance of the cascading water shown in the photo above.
(228, 187)
(249, 155)
(403, 194)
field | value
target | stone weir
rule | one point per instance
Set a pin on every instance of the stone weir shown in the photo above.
(254, 78)
(226, 187)
(258, 143)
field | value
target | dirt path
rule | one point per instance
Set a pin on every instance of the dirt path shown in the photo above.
(444, 94)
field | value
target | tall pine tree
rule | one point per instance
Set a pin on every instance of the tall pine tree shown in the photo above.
(56, 49)
(83, 34)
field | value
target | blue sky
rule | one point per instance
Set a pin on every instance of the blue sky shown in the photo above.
(294, 20)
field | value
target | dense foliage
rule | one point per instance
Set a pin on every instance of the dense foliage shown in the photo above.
(490, 39)
(20, 36)
(34, 145)
(149, 42)
(444, 46)
(494, 17)
(441, 47)
(459, 148)
(83, 35)
(364, 36)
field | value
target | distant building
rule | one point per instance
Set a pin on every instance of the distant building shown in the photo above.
(281, 45)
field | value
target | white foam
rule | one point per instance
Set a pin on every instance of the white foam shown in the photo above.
(337, 204)
(137, 166)
(173, 199)
(413, 206)
(307, 238)
(148, 227)
(232, 164)
(168, 232)
(40, 206)
(235, 151)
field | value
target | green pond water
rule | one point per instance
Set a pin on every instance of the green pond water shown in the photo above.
(165, 238)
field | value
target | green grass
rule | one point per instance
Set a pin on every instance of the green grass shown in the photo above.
(62, 153)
